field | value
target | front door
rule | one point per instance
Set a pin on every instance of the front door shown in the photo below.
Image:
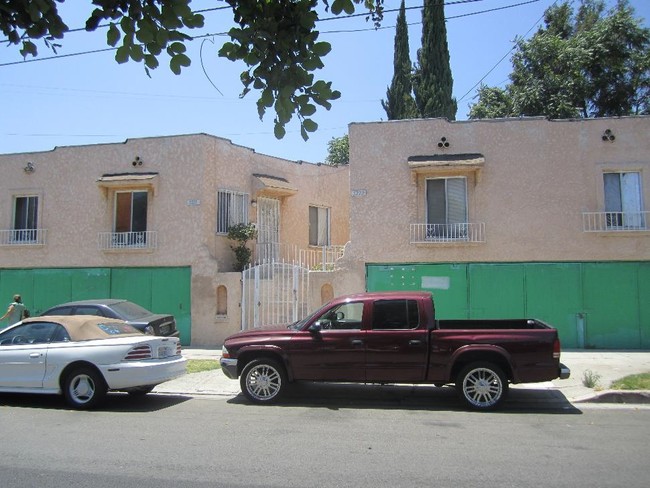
(335, 353)
(268, 230)
(23, 353)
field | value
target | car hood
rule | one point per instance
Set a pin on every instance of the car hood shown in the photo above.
(268, 330)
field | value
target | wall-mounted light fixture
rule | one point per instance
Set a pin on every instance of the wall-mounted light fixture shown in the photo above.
(137, 161)
(253, 203)
(443, 142)
(29, 167)
(608, 136)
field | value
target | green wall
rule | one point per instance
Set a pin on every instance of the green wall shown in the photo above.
(603, 305)
(161, 290)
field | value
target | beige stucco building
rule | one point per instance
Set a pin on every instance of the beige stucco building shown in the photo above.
(508, 217)
(154, 204)
(498, 218)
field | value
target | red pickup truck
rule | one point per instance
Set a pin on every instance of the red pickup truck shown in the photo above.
(394, 337)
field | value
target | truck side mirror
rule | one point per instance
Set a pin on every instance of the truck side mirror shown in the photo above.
(316, 327)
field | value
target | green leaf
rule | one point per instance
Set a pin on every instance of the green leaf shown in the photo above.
(279, 130)
(28, 48)
(136, 53)
(113, 35)
(176, 62)
(321, 48)
(309, 125)
(307, 110)
(151, 61)
(122, 54)
(177, 47)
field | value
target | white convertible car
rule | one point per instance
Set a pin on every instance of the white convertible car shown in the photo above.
(83, 357)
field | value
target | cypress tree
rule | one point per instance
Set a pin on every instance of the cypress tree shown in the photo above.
(433, 83)
(399, 103)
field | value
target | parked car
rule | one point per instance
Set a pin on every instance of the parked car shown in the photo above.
(83, 357)
(116, 308)
(394, 337)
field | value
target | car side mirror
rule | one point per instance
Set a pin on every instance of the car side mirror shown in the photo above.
(316, 327)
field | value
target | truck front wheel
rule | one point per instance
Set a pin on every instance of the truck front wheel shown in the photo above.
(482, 385)
(263, 380)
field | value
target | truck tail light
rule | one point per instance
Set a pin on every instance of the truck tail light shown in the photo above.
(138, 353)
(178, 348)
(556, 349)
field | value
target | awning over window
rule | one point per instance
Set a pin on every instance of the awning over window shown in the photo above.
(129, 181)
(471, 162)
(272, 186)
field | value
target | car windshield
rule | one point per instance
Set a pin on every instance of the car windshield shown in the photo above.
(130, 310)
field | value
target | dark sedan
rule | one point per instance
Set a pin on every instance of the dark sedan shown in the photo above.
(115, 308)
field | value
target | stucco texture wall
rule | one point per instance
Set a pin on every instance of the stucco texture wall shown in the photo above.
(537, 179)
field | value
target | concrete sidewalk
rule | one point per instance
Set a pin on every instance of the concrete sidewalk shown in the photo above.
(608, 365)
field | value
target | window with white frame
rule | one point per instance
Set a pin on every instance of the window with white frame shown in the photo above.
(232, 208)
(446, 204)
(623, 200)
(25, 222)
(319, 226)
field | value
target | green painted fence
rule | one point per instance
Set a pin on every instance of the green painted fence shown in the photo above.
(604, 305)
(161, 290)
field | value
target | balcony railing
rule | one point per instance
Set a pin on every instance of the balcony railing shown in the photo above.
(320, 258)
(128, 240)
(442, 233)
(615, 221)
(23, 237)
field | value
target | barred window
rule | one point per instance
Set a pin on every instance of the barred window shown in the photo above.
(232, 208)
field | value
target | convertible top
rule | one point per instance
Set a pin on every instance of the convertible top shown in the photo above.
(89, 327)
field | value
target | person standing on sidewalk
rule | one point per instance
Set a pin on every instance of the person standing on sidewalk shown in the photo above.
(15, 312)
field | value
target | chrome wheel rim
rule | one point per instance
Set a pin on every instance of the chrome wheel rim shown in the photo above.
(82, 388)
(482, 387)
(263, 382)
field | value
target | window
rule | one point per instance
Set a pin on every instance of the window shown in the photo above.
(446, 207)
(319, 226)
(347, 316)
(32, 333)
(25, 219)
(232, 208)
(130, 226)
(623, 201)
(395, 314)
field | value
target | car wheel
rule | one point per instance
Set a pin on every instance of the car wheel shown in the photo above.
(483, 386)
(141, 391)
(84, 388)
(263, 381)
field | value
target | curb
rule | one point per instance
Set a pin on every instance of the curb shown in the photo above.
(617, 396)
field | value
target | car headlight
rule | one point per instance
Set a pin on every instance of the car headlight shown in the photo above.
(224, 352)
(149, 330)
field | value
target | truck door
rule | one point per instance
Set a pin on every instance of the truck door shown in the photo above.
(336, 352)
(396, 343)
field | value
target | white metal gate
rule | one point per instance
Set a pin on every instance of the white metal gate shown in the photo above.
(274, 294)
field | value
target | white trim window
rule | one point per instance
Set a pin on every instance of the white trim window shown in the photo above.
(319, 226)
(446, 204)
(232, 209)
(623, 200)
(25, 218)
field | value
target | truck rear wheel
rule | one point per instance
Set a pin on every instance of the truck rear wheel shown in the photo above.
(482, 385)
(263, 381)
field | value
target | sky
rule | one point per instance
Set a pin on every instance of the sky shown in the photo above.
(72, 99)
